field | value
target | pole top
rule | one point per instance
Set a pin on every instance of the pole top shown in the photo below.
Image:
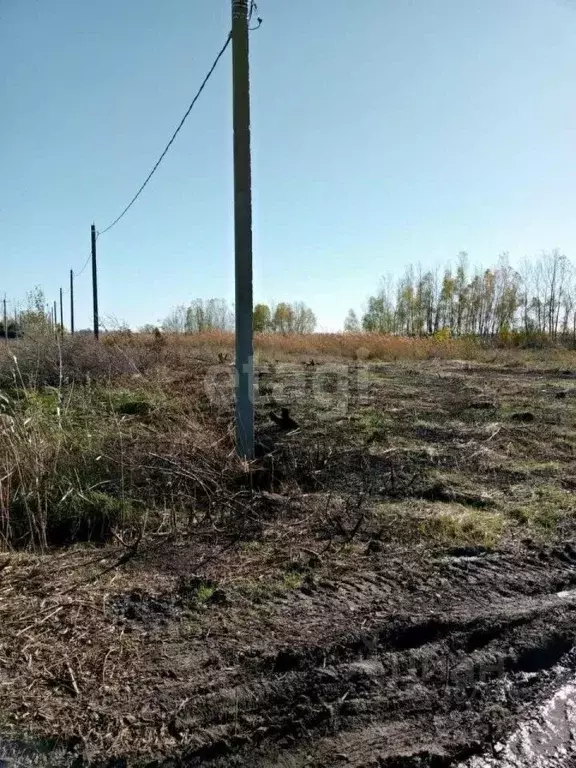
(239, 8)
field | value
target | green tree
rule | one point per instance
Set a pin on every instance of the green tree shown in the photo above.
(380, 315)
(262, 318)
(283, 318)
(447, 293)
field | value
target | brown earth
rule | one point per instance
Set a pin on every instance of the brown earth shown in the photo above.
(399, 589)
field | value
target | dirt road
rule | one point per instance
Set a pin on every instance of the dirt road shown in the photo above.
(398, 671)
(390, 665)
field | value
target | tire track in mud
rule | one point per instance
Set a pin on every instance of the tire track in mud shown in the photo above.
(401, 663)
(405, 662)
(394, 666)
(427, 692)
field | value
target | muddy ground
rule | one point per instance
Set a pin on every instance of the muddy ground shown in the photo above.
(400, 589)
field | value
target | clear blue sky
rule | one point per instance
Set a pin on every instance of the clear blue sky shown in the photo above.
(384, 132)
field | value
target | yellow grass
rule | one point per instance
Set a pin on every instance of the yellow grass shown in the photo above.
(338, 346)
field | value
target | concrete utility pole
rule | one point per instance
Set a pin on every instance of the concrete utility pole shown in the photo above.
(72, 302)
(94, 282)
(243, 231)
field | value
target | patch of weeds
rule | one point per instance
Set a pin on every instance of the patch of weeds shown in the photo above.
(257, 591)
(546, 511)
(45, 400)
(205, 593)
(88, 516)
(543, 521)
(77, 516)
(39, 404)
(292, 580)
(196, 591)
(464, 527)
(128, 403)
(277, 586)
(528, 467)
(373, 424)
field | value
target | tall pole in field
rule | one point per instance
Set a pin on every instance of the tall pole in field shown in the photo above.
(72, 302)
(94, 282)
(61, 315)
(5, 321)
(243, 231)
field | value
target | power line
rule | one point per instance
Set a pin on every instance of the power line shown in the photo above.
(77, 274)
(252, 10)
(176, 132)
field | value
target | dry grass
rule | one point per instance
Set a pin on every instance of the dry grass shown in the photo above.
(96, 437)
(95, 440)
(119, 444)
(61, 650)
(176, 349)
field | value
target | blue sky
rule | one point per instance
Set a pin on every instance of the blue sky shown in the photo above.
(385, 132)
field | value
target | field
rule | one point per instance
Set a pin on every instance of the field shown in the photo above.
(389, 584)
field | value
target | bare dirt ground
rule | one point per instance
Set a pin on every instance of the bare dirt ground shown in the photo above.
(400, 590)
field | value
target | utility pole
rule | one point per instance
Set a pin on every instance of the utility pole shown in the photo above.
(61, 315)
(72, 302)
(243, 231)
(94, 283)
(5, 321)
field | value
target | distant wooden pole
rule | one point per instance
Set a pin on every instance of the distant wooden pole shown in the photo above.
(94, 282)
(243, 231)
(61, 315)
(5, 321)
(72, 302)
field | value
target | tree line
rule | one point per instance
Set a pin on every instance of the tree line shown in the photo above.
(198, 316)
(539, 298)
(216, 315)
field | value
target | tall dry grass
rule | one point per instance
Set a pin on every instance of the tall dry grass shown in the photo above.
(97, 437)
(178, 350)
(93, 441)
(351, 346)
